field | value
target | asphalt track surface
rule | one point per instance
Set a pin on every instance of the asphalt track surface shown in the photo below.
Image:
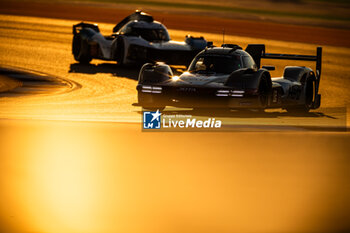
(108, 91)
(183, 20)
(74, 176)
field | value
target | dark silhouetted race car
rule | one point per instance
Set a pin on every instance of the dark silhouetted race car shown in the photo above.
(229, 77)
(136, 39)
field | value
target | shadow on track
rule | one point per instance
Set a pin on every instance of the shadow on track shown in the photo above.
(226, 113)
(27, 82)
(107, 68)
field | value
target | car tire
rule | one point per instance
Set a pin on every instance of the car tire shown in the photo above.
(309, 92)
(120, 52)
(80, 49)
(263, 92)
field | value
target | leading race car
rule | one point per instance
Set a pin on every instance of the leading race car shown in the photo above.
(229, 77)
(136, 39)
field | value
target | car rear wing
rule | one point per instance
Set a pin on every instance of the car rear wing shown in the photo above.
(257, 51)
(79, 26)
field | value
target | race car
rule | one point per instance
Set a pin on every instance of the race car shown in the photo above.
(137, 39)
(229, 77)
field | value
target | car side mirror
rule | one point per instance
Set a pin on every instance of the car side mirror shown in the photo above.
(210, 44)
(269, 67)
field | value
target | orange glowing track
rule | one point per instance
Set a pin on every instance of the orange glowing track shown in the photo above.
(81, 177)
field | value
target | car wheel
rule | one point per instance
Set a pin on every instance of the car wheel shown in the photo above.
(81, 50)
(120, 52)
(263, 92)
(309, 98)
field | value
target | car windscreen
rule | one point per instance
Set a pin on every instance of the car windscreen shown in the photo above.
(216, 64)
(151, 35)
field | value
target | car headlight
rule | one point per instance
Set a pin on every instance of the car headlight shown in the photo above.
(175, 78)
(232, 93)
(151, 89)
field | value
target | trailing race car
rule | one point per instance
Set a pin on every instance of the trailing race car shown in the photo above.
(229, 77)
(136, 39)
